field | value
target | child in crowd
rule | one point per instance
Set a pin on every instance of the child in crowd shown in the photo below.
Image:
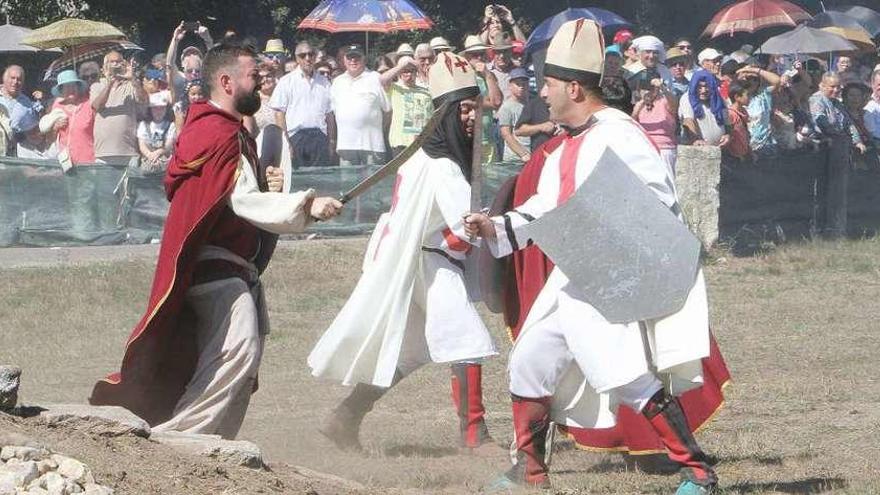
(156, 137)
(194, 92)
(738, 146)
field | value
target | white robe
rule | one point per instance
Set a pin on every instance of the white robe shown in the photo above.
(677, 342)
(411, 305)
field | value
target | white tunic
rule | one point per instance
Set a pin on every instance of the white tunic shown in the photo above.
(615, 354)
(411, 305)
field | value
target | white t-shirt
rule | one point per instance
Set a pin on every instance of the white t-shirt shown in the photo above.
(156, 134)
(304, 101)
(709, 127)
(358, 104)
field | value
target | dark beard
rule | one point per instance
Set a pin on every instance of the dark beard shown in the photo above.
(248, 104)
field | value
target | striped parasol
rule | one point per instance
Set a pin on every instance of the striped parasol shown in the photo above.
(749, 16)
(76, 55)
(71, 32)
(382, 16)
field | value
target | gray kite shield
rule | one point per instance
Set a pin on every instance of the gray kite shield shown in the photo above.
(627, 254)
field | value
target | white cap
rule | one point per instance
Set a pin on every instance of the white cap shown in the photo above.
(709, 54)
(160, 99)
(452, 78)
(576, 50)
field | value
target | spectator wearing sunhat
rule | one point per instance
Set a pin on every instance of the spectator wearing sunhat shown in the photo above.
(516, 148)
(275, 56)
(475, 53)
(72, 119)
(361, 107)
(501, 65)
(404, 50)
(678, 63)
(423, 57)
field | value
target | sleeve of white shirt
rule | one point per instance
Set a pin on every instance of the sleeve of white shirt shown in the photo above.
(143, 131)
(685, 111)
(278, 213)
(384, 101)
(509, 235)
(281, 95)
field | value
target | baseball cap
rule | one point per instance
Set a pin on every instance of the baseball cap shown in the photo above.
(518, 73)
(356, 50)
(159, 99)
(622, 36)
(154, 74)
(709, 54)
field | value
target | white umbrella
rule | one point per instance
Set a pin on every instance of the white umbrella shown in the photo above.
(10, 40)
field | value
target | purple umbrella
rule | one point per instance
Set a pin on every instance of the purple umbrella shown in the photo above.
(542, 34)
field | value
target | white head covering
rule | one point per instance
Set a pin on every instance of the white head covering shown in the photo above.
(643, 43)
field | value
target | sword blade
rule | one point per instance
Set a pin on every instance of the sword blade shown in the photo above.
(477, 159)
(396, 162)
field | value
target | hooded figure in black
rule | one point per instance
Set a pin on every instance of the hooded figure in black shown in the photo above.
(450, 139)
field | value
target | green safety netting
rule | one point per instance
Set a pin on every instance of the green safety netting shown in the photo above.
(106, 204)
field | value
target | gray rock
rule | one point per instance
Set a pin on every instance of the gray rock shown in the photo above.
(15, 438)
(697, 179)
(110, 421)
(22, 452)
(234, 452)
(36, 491)
(10, 378)
(20, 473)
(73, 470)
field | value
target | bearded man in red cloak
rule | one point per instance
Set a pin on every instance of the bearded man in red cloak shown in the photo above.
(191, 362)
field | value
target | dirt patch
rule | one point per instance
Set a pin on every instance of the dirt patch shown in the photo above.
(797, 327)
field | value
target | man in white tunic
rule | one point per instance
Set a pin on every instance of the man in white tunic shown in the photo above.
(569, 362)
(411, 305)
(191, 363)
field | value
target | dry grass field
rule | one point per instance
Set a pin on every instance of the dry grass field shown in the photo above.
(798, 326)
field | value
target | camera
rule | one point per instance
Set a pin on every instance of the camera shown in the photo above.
(793, 75)
(192, 26)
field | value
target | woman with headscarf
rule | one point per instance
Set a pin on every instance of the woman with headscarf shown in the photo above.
(703, 113)
(411, 306)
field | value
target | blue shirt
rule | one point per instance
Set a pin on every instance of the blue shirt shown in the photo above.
(760, 110)
(24, 114)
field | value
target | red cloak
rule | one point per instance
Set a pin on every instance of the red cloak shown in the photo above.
(160, 354)
(527, 272)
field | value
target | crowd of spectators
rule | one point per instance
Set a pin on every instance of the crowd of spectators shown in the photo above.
(338, 108)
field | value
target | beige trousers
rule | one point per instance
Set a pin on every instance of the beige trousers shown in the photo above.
(230, 322)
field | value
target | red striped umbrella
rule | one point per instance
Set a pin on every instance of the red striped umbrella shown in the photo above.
(383, 16)
(753, 15)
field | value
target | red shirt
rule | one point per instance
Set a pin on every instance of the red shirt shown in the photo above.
(738, 146)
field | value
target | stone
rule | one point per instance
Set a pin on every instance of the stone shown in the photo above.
(234, 452)
(7, 486)
(697, 182)
(95, 489)
(36, 491)
(54, 483)
(15, 438)
(10, 378)
(20, 473)
(108, 421)
(74, 470)
(23, 453)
